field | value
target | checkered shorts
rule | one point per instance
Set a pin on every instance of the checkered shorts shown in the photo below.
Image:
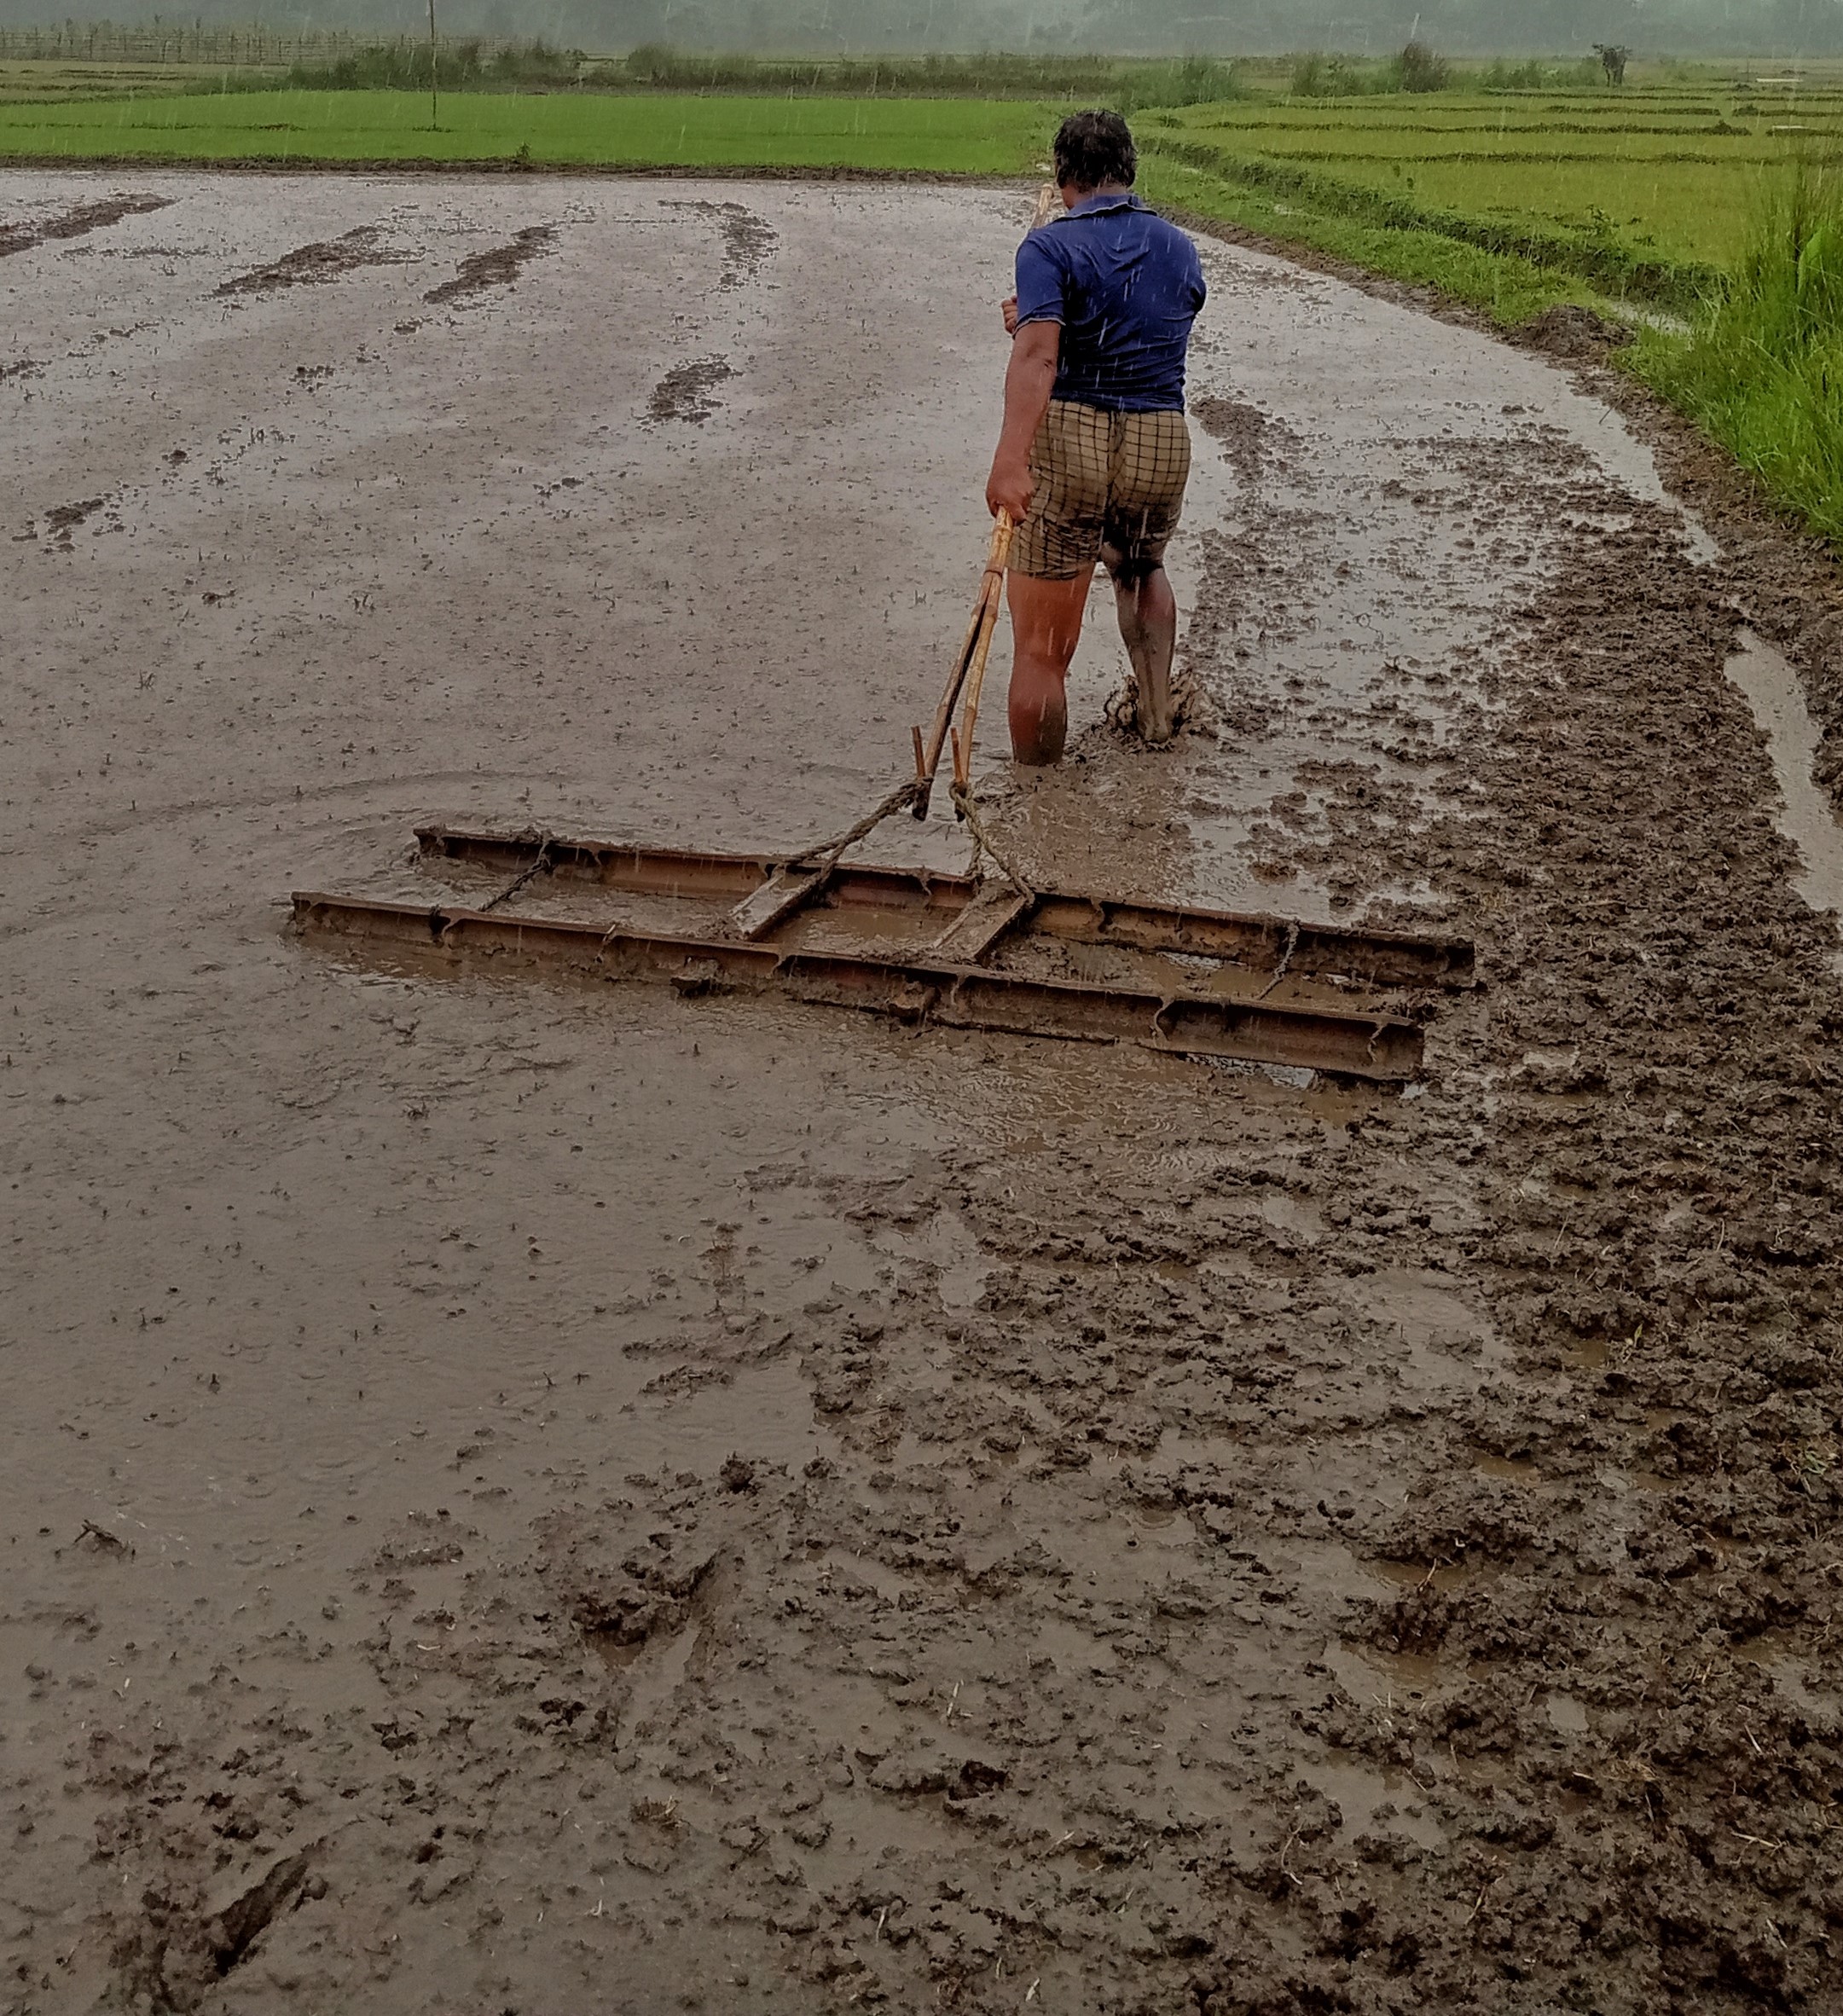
(1102, 479)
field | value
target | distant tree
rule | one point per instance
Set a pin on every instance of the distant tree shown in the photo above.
(1613, 58)
(1421, 69)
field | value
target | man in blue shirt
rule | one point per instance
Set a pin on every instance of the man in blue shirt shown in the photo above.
(1095, 452)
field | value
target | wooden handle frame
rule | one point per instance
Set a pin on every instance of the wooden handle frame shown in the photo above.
(970, 661)
(969, 658)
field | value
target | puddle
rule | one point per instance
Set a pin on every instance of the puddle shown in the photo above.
(1372, 1803)
(861, 1574)
(947, 1243)
(1775, 1658)
(1512, 1469)
(1288, 1213)
(654, 1677)
(1447, 1341)
(1075, 1652)
(1804, 817)
(1412, 1574)
(765, 1412)
(1566, 1716)
(1381, 1678)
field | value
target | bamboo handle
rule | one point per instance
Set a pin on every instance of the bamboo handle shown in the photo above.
(928, 758)
(995, 575)
(971, 659)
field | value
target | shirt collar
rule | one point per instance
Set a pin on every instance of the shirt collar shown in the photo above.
(1106, 199)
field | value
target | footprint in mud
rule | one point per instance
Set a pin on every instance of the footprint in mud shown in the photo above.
(684, 393)
(498, 266)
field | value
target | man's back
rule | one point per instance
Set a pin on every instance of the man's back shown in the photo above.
(1126, 285)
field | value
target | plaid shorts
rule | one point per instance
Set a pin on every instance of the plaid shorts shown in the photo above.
(1102, 479)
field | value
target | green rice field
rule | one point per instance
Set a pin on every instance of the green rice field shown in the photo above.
(55, 83)
(1664, 202)
(1506, 197)
(1643, 192)
(939, 136)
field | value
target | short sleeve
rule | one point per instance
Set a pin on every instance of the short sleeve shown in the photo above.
(1199, 290)
(1040, 282)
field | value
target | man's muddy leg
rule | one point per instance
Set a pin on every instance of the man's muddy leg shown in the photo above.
(1149, 629)
(1045, 627)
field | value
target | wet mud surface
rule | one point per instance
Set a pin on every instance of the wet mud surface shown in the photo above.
(510, 1490)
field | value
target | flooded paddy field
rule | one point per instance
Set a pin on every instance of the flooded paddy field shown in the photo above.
(516, 1496)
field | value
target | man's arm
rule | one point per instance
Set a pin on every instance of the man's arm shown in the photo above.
(1029, 379)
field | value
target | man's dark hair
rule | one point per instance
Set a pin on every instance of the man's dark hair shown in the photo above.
(1093, 147)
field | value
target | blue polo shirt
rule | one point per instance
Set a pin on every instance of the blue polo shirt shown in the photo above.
(1125, 286)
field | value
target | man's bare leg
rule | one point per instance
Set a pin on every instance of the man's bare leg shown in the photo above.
(1045, 627)
(1149, 629)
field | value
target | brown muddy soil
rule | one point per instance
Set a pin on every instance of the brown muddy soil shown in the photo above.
(498, 266)
(76, 220)
(685, 393)
(521, 1498)
(311, 265)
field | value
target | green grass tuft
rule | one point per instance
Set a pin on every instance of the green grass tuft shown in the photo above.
(1762, 368)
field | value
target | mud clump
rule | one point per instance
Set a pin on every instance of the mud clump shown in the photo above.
(648, 1592)
(61, 520)
(1242, 429)
(498, 266)
(310, 265)
(748, 239)
(77, 222)
(1573, 334)
(684, 393)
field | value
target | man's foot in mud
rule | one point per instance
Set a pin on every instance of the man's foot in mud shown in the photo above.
(1154, 712)
(1148, 615)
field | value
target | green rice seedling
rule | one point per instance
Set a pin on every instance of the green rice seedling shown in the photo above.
(635, 129)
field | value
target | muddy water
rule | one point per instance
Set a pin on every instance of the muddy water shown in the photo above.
(1367, 505)
(507, 1485)
(1808, 819)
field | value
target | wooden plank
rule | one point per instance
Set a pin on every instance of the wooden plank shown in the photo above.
(1383, 1047)
(786, 890)
(980, 925)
